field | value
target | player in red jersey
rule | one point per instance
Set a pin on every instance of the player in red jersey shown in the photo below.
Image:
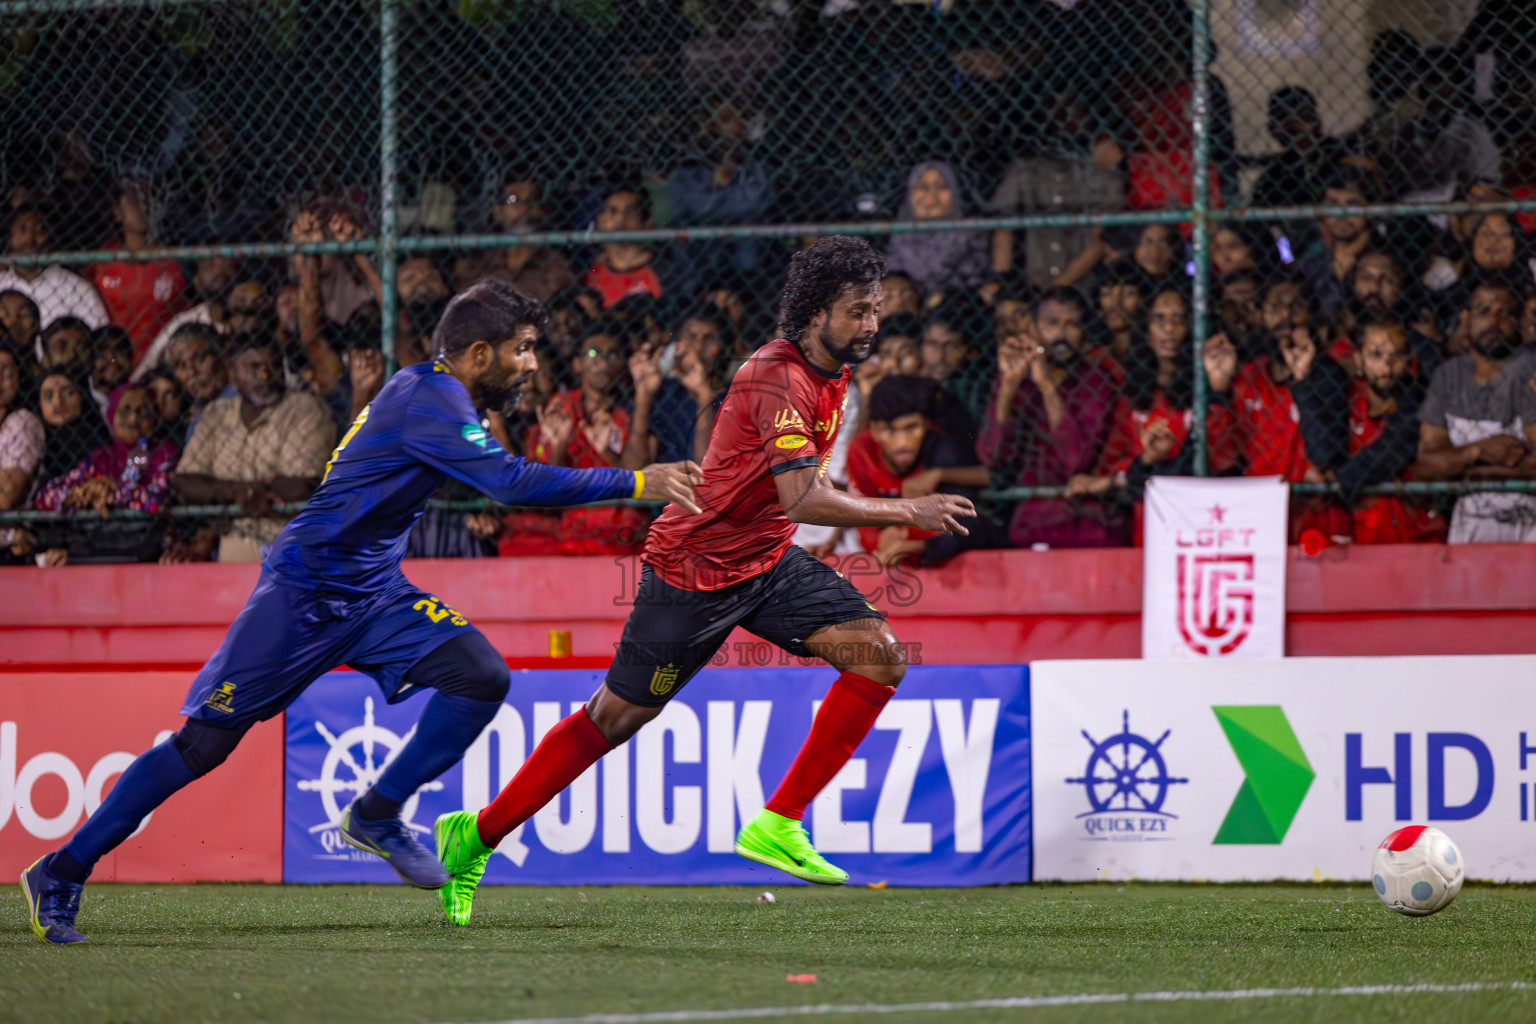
(732, 564)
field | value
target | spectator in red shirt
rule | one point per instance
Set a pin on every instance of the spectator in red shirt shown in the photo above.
(902, 455)
(584, 428)
(1048, 418)
(624, 268)
(1384, 438)
(1292, 407)
(142, 297)
(1154, 414)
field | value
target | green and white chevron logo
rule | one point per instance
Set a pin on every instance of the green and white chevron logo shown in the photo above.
(1278, 774)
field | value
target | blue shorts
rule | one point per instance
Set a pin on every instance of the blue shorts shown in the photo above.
(288, 636)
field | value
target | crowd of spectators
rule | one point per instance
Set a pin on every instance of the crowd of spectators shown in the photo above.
(1345, 351)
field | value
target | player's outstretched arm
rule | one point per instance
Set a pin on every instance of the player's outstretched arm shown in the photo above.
(806, 498)
(442, 431)
(465, 452)
(672, 481)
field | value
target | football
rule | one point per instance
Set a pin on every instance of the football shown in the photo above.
(1417, 870)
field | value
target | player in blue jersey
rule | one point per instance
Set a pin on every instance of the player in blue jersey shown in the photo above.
(331, 592)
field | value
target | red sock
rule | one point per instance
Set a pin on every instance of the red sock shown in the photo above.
(846, 716)
(567, 750)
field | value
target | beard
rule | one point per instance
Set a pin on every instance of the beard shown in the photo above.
(1376, 307)
(1386, 390)
(498, 395)
(1494, 345)
(852, 354)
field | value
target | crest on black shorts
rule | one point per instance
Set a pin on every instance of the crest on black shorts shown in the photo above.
(663, 679)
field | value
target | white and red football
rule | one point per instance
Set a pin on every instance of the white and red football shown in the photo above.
(1417, 870)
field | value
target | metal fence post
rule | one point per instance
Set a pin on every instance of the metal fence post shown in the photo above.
(389, 198)
(1200, 215)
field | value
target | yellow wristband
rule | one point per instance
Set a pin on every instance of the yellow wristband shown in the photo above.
(639, 483)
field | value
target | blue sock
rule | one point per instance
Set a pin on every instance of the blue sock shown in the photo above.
(148, 783)
(447, 727)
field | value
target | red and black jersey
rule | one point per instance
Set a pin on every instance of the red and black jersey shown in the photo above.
(1384, 519)
(781, 413)
(1269, 423)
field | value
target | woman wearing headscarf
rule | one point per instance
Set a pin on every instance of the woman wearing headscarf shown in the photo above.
(72, 424)
(131, 471)
(938, 260)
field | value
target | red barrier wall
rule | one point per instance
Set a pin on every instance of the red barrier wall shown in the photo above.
(998, 606)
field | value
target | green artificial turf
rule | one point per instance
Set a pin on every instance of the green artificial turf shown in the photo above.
(343, 953)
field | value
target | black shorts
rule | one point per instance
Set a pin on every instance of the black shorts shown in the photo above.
(672, 633)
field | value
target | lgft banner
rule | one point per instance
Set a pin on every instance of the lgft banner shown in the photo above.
(1213, 583)
(938, 794)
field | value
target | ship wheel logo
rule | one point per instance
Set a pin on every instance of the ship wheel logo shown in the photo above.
(1126, 773)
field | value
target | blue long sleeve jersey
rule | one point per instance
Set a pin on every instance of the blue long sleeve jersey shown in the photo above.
(421, 429)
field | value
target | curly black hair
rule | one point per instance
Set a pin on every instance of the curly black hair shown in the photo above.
(489, 311)
(1141, 366)
(821, 272)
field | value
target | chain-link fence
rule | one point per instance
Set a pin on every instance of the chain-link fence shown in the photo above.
(1126, 238)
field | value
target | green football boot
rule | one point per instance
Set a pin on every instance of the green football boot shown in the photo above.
(465, 856)
(781, 842)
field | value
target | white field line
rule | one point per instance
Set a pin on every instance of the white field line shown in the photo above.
(1019, 1003)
